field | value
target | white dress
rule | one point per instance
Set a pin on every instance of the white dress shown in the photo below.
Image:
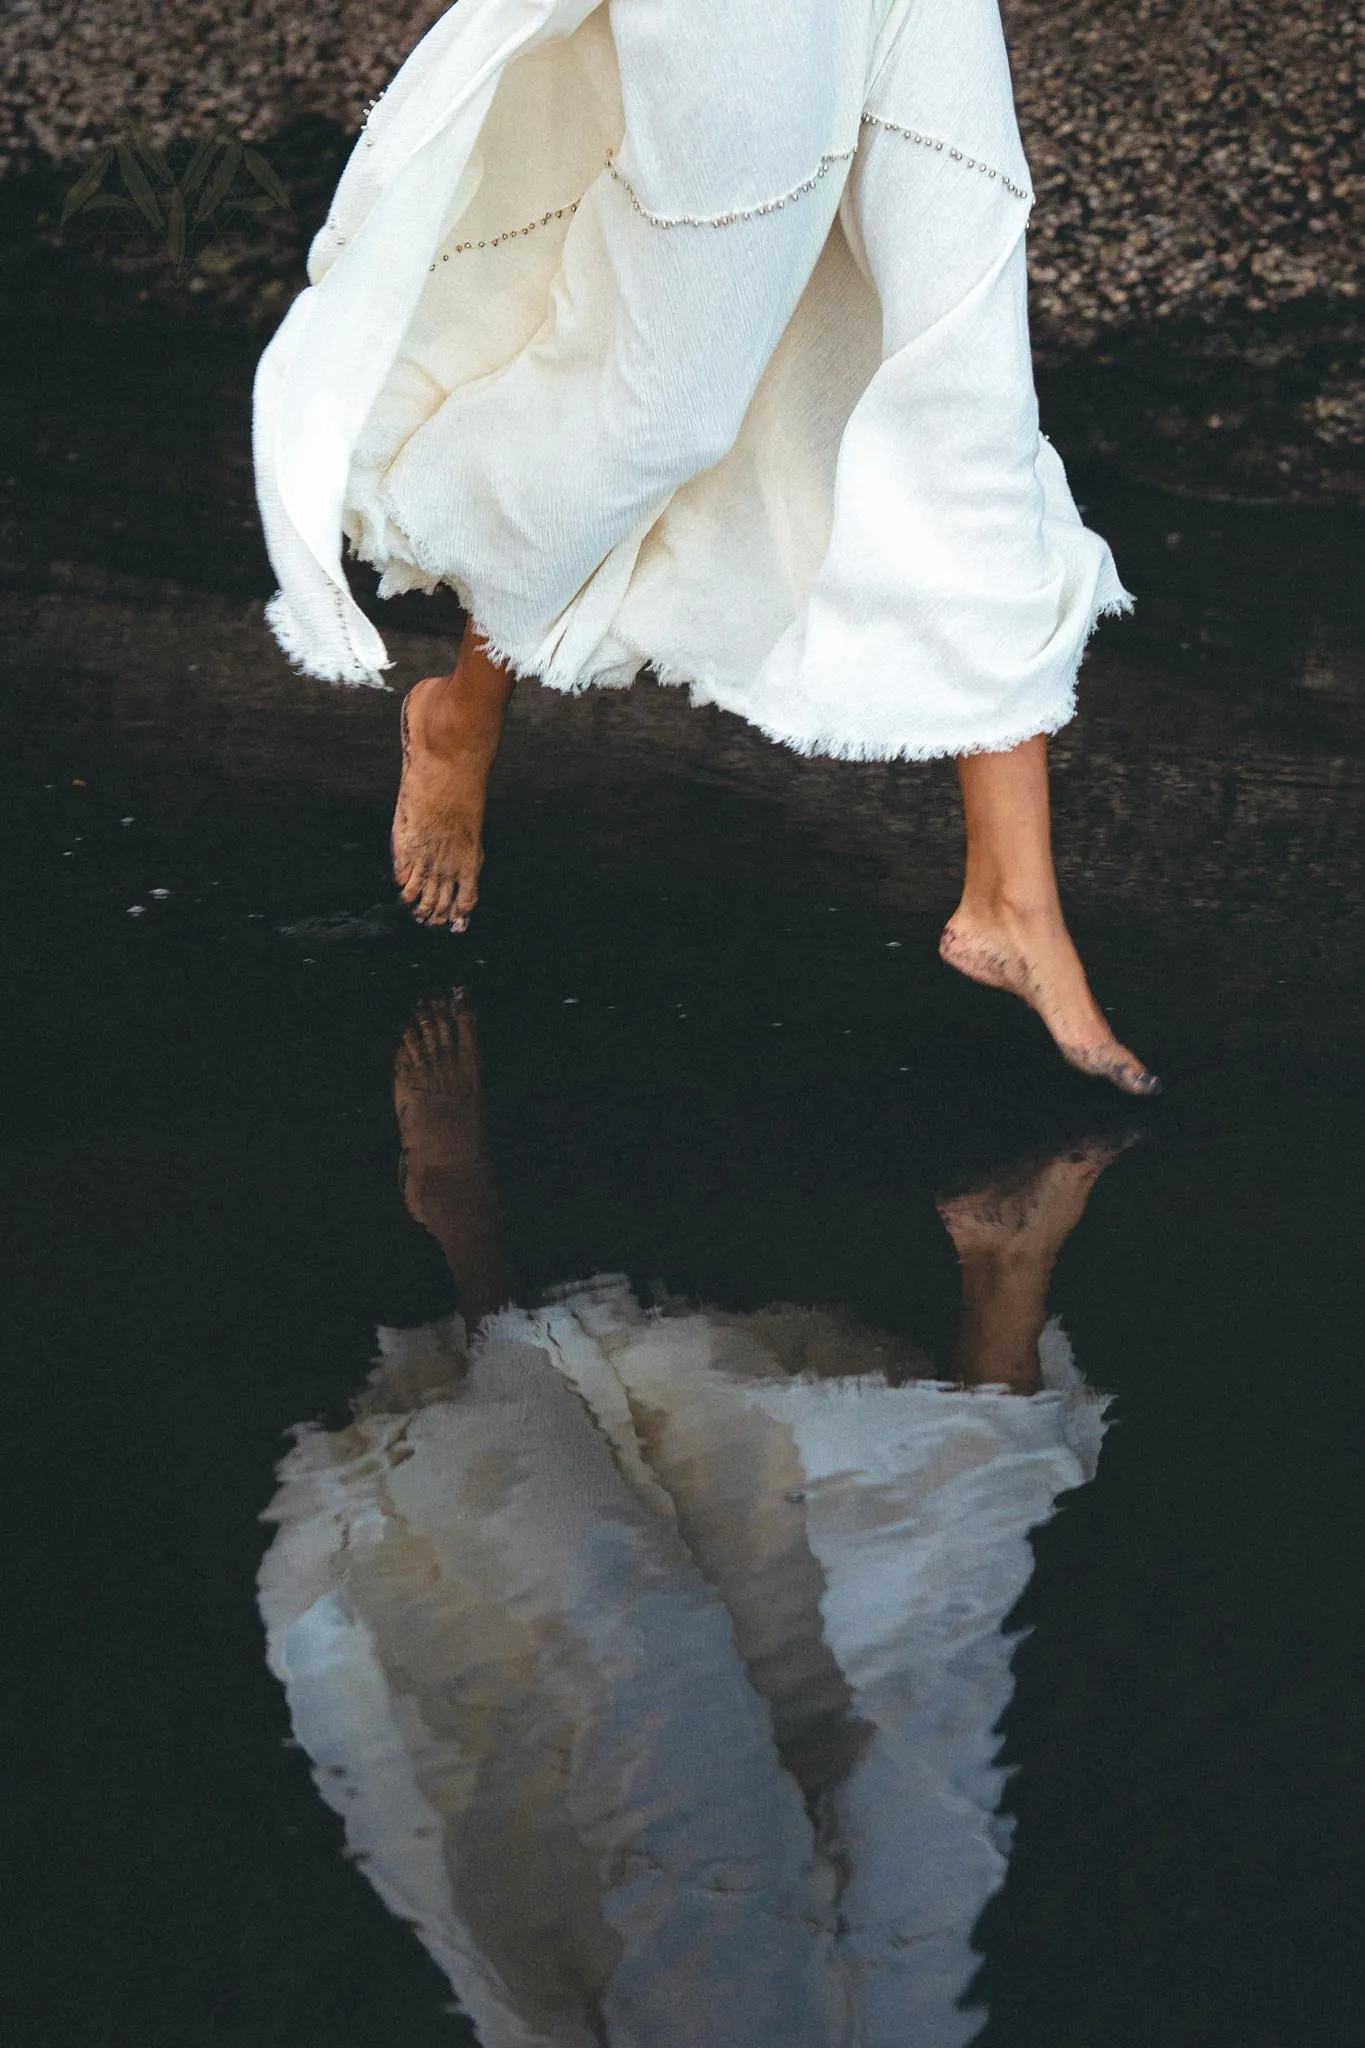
(654, 1665)
(692, 337)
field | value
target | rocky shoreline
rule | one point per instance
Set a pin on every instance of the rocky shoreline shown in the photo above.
(1193, 247)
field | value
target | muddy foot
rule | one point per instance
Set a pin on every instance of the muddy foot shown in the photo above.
(1031, 955)
(450, 740)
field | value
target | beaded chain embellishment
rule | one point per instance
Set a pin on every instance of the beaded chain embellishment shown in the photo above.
(725, 220)
(959, 156)
(510, 234)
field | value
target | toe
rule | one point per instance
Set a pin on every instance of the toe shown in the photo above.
(412, 887)
(410, 1051)
(426, 905)
(429, 1029)
(442, 900)
(1113, 1062)
(466, 897)
(1127, 1071)
(1136, 1079)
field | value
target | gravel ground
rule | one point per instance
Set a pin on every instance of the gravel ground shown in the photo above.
(1197, 166)
(1184, 154)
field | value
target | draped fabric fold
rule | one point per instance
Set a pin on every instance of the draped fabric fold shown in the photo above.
(668, 342)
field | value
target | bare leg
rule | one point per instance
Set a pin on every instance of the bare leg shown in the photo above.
(1007, 1237)
(452, 726)
(447, 1182)
(1008, 930)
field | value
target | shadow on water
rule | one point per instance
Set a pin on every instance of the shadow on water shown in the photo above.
(720, 1058)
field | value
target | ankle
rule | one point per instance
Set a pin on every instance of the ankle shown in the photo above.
(1009, 903)
(445, 712)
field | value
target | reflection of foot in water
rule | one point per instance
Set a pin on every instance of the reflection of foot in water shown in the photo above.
(1007, 1235)
(445, 1175)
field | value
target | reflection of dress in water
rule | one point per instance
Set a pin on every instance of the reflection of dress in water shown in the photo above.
(653, 1663)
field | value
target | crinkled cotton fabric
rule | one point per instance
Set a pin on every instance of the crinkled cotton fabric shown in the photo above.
(669, 340)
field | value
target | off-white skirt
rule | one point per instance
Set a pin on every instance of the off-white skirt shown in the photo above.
(691, 338)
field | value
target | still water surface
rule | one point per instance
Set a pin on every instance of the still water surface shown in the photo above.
(653, 1660)
(905, 1543)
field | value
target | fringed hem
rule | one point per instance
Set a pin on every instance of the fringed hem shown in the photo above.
(832, 745)
(522, 666)
(305, 660)
(827, 745)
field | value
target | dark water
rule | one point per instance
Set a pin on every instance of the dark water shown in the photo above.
(716, 1055)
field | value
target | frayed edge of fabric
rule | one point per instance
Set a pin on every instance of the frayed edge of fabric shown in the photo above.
(825, 745)
(303, 659)
(524, 666)
(516, 664)
(831, 747)
(835, 747)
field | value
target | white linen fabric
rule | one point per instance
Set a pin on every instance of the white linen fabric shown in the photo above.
(670, 336)
(654, 1664)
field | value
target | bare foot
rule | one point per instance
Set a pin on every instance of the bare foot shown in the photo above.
(1030, 953)
(444, 1172)
(451, 729)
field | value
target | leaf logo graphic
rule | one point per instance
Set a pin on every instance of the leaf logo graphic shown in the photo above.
(176, 194)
